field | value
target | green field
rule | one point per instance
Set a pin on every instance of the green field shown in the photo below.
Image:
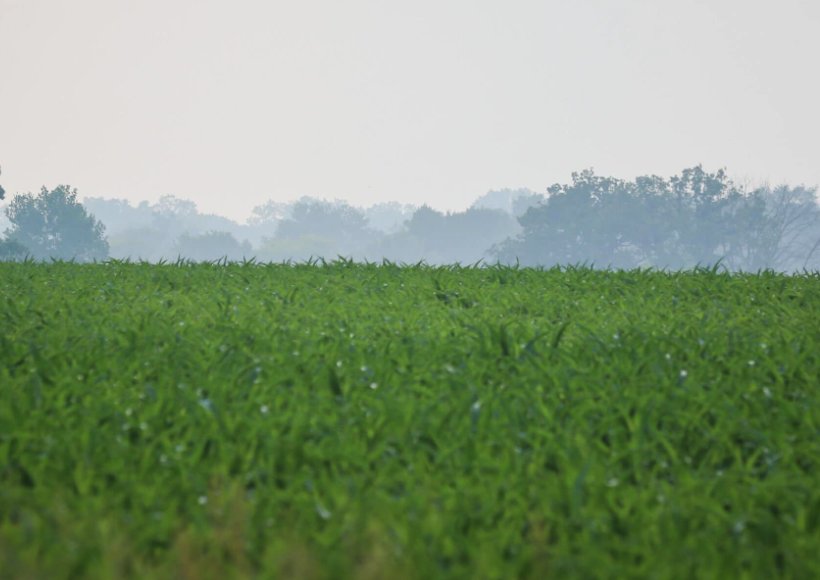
(362, 421)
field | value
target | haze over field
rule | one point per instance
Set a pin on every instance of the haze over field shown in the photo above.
(421, 131)
(230, 104)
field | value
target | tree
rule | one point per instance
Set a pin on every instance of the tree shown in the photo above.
(53, 224)
(119, 215)
(12, 250)
(512, 201)
(704, 205)
(150, 232)
(693, 217)
(584, 221)
(269, 213)
(172, 206)
(346, 225)
(389, 217)
(439, 238)
(466, 236)
(141, 243)
(212, 245)
(792, 225)
(522, 203)
(297, 249)
(2, 191)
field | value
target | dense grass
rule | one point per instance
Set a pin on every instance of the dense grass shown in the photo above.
(362, 421)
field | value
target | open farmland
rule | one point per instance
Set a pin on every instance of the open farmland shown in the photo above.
(363, 421)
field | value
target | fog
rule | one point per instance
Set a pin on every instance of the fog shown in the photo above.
(445, 132)
(230, 104)
(695, 217)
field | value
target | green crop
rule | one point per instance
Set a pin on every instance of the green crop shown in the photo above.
(370, 421)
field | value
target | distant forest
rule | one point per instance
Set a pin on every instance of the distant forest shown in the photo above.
(692, 218)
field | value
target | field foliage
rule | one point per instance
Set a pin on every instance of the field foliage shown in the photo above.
(347, 420)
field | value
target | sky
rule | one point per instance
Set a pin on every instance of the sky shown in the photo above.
(232, 103)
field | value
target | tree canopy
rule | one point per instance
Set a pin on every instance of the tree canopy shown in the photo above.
(53, 224)
(695, 217)
(212, 245)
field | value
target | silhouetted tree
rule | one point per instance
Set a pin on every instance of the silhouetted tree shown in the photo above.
(580, 222)
(346, 225)
(792, 225)
(694, 217)
(270, 213)
(446, 238)
(150, 232)
(522, 203)
(119, 215)
(212, 246)
(704, 205)
(512, 201)
(143, 243)
(12, 250)
(54, 224)
(298, 249)
(172, 206)
(390, 216)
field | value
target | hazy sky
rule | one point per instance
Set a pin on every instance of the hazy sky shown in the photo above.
(230, 103)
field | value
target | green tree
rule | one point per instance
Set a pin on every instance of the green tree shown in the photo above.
(2, 191)
(53, 224)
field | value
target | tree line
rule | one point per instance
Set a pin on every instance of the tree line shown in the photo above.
(695, 217)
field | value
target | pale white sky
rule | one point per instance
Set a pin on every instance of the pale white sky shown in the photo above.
(231, 103)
